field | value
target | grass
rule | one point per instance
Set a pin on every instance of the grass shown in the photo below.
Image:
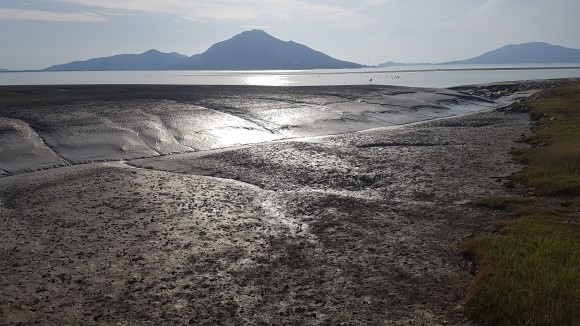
(529, 273)
(554, 160)
(502, 202)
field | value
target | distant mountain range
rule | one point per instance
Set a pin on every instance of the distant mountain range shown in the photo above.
(251, 50)
(150, 60)
(534, 52)
(2, 69)
(527, 53)
(257, 50)
(398, 64)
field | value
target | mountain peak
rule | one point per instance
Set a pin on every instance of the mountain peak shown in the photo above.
(253, 35)
(256, 32)
(532, 45)
(258, 50)
(152, 52)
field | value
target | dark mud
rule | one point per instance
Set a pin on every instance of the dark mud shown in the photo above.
(355, 229)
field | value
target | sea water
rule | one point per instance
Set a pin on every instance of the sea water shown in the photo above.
(437, 76)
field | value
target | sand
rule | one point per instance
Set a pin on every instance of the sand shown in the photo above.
(360, 228)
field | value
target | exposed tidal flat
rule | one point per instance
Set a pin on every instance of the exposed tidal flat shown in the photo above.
(48, 126)
(284, 205)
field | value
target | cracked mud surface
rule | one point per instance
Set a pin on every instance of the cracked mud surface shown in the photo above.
(354, 229)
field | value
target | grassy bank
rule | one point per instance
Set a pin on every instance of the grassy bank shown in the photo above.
(554, 160)
(529, 273)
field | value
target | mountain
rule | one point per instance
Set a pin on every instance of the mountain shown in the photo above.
(150, 60)
(251, 50)
(3, 70)
(257, 50)
(390, 64)
(535, 52)
(399, 64)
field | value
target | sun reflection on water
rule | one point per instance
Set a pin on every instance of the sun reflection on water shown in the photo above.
(267, 80)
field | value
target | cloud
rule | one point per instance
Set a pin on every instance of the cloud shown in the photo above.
(217, 11)
(240, 10)
(262, 27)
(375, 2)
(307, 11)
(48, 16)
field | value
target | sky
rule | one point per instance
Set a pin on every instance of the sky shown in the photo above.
(35, 34)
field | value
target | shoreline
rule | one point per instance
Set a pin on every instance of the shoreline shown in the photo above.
(343, 72)
(510, 287)
(435, 76)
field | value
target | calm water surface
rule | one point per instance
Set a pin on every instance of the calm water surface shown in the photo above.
(413, 76)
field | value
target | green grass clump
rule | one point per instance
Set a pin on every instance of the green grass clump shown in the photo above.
(529, 274)
(553, 169)
(554, 161)
(501, 202)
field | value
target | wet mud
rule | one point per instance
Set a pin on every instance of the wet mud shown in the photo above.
(360, 228)
(46, 127)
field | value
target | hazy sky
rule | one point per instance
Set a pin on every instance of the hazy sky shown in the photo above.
(39, 33)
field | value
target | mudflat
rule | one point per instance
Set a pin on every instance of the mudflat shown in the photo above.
(45, 127)
(360, 228)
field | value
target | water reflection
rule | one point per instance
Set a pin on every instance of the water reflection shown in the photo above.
(439, 76)
(267, 80)
(230, 136)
